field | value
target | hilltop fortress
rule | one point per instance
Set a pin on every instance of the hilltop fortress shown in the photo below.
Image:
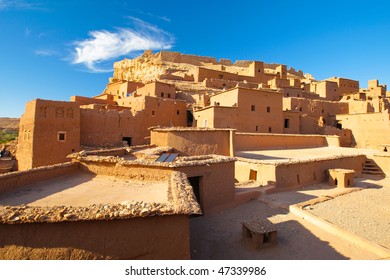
(118, 175)
(177, 90)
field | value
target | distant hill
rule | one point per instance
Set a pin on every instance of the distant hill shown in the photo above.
(9, 123)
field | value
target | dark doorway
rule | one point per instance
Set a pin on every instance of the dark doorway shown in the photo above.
(127, 139)
(195, 182)
(190, 118)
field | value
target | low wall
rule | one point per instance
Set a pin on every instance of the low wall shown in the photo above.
(255, 141)
(194, 141)
(129, 170)
(12, 180)
(157, 237)
(215, 181)
(295, 173)
(383, 162)
(304, 173)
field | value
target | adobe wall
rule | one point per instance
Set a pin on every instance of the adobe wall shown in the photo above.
(188, 141)
(81, 100)
(217, 184)
(217, 117)
(368, 130)
(112, 166)
(296, 173)
(105, 128)
(268, 111)
(157, 237)
(304, 173)
(264, 173)
(254, 141)
(24, 152)
(158, 89)
(293, 123)
(12, 180)
(54, 134)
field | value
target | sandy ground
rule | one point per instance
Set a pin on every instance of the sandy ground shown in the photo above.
(365, 213)
(82, 189)
(219, 236)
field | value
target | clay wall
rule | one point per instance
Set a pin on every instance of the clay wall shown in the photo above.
(105, 128)
(374, 89)
(203, 73)
(13, 180)
(267, 115)
(328, 90)
(257, 111)
(256, 141)
(121, 89)
(195, 141)
(297, 173)
(369, 130)
(315, 113)
(54, 135)
(157, 237)
(262, 173)
(125, 170)
(159, 112)
(292, 92)
(345, 135)
(24, 152)
(291, 122)
(216, 117)
(345, 86)
(216, 183)
(158, 89)
(305, 173)
(185, 58)
(81, 100)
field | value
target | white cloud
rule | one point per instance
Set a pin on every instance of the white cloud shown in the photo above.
(104, 46)
(45, 52)
(19, 5)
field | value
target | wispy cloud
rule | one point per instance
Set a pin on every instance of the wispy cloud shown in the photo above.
(103, 46)
(46, 52)
(19, 5)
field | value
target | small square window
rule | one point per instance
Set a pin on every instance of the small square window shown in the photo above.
(269, 129)
(268, 109)
(153, 112)
(178, 112)
(61, 136)
(253, 108)
(162, 94)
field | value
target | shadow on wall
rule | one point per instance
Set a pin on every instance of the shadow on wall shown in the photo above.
(219, 237)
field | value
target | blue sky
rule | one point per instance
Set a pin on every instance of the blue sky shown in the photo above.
(56, 49)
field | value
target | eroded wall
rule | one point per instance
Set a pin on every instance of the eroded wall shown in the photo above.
(157, 237)
(49, 131)
(194, 141)
(254, 141)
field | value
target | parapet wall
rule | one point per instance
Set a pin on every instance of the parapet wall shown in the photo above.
(295, 173)
(194, 141)
(157, 237)
(12, 180)
(113, 166)
(253, 141)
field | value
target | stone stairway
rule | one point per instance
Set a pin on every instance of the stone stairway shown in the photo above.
(370, 167)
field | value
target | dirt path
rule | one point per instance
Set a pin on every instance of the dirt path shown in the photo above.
(219, 236)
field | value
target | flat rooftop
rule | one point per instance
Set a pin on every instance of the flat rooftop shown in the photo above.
(286, 155)
(83, 189)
